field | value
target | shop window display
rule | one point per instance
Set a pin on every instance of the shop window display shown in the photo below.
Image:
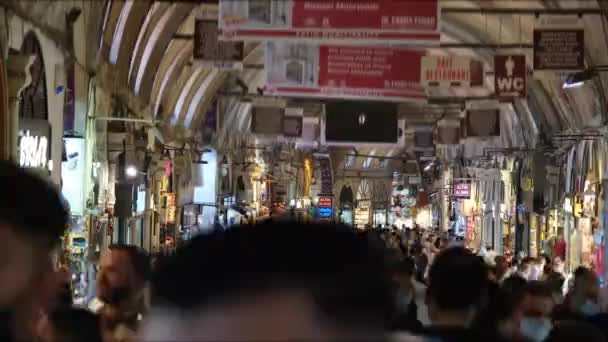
(403, 206)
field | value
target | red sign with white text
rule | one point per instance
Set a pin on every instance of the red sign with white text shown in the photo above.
(356, 20)
(344, 72)
(325, 202)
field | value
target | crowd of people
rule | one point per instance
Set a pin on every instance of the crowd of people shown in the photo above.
(281, 281)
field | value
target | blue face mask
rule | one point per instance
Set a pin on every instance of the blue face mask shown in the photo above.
(589, 308)
(536, 329)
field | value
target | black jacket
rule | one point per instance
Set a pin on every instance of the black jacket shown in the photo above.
(457, 334)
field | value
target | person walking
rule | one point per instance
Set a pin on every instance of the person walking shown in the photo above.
(121, 280)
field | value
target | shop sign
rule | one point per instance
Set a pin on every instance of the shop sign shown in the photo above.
(589, 204)
(343, 72)
(34, 144)
(482, 123)
(445, 71)
(510, 76)
(325, 202)
(170, 207)
(355, 21)
(462, 190)
(326, 174)
(212, 52)
(568, 205)
(559, 49)
(325, 212)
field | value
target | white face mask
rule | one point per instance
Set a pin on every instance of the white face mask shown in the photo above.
(536, 329)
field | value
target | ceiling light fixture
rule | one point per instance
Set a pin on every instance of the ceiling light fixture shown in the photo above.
(577, 79)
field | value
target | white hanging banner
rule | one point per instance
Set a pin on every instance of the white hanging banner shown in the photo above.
(445, 71)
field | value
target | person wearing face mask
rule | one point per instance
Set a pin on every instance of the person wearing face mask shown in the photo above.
(504, 311)
(582, 302)
(536, 269)
(123, 272)
(536, 325)
(405, 315)
(525, 268)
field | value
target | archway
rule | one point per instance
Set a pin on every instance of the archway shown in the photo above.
(34, 138)
(346, 201)
(364, 204)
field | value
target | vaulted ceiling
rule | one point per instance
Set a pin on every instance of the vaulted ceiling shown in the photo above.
(146, 59)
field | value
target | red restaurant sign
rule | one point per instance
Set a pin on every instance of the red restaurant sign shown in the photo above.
(359, 21)
(374, 73)
(445, 71)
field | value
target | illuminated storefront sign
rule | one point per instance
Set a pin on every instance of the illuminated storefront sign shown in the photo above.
(32, 150)
(326, 207)
(325, 202)
(462, 190)
(34, 144)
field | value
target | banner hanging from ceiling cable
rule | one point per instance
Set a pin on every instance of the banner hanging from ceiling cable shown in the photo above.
(212, 53)
(450, 71)
(354, 21)
(510, 76)
(559, 43)
(373, 73)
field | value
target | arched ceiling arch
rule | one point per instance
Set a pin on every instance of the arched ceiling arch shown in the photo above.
(157, 67)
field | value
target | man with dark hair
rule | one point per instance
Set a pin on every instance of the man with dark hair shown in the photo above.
(458, 286)
(266, 283)
(122, 276)
(582, 301)
(32, 219)
(537, 308)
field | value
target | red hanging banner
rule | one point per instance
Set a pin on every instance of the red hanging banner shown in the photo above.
(393, 21)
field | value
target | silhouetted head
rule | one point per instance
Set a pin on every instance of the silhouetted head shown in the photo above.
(272, 281)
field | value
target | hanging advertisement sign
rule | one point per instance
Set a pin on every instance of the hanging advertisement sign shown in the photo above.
(510, 76)
(326, 173)
(212, 52)
(73, 174)
(374, 73)
(170, 207)
(559, 49)
(482, 123)
(423, 138)
(355, 21)
(445, 71)
(462, 190)
(448, 132)
(69, 108)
